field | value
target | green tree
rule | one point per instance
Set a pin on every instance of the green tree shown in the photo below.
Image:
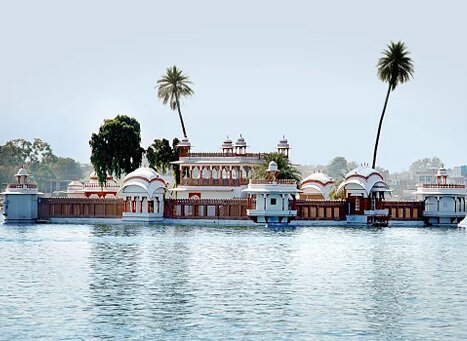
(286, 169)
(394, 67)
(171, 88)
(38, 158)
(337, 167)
(160, 155)
(116, 149)
(425, 163)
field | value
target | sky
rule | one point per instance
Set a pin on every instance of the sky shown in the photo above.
(263, 69)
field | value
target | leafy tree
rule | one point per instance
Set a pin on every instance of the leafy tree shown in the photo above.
(66, 168)
(173, 86)
(286, 169)
(425, 163)
(394, 67)
(116, 149)
(160, 155)
(338, 167)
(334, 194)
(37, 156)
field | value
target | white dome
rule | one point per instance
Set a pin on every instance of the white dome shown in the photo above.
(227, 143)
(22, 172)
(184, 143)
(144, 178)
(364, 171)
(283, 143)
(317, 183)
(273, 167)
(442, 172)
(240, 142)
(145, 173)
(318, 177)
(365, 178)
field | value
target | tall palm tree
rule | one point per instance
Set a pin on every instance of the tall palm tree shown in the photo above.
(171, 87)
(394, 67)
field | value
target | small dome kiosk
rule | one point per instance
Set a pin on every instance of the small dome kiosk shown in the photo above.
(316, 186)
(143, 193)
(271, 200)
(365, 191)
(20, 203)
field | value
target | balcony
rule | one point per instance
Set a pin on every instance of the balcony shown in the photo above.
(451, 186)
(22, 186)
(272, 182)
(214, 182)
(258, 156)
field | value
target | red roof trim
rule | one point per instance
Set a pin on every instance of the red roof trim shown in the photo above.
(365, 177)
(318, 182)
(145, 179)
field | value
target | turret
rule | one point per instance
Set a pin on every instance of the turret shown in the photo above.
(184, 147)
(227, 146)
(240, 146)
(442, 176)
(283, 147)
(22, 176)
(20, 203)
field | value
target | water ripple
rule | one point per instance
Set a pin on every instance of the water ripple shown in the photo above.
(80, 282)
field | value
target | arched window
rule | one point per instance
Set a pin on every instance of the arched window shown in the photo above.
(205, 174)
(195, 173)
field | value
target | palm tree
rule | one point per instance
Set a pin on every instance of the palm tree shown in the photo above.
(286, 169)
(394, 67)
(171, 87)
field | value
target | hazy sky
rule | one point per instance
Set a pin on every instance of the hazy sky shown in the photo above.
(306, 69)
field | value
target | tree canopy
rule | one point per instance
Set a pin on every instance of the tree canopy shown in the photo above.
(116, 149)
(337, 167)
(425, 163)
(286, 169)
(38, 158)
(173, 86)
(160, 155)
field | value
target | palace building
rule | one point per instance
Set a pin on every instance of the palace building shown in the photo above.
(218, 175)
(92, 188)
(444, 201)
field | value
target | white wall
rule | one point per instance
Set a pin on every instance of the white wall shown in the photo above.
(20, 207)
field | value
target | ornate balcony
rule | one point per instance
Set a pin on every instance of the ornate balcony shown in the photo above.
(452, 186)
(214, 182)
(22, 186)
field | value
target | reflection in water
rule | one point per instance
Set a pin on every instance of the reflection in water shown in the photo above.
(114, 260)
(184, 283)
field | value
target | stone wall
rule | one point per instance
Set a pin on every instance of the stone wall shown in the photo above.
(79, 208)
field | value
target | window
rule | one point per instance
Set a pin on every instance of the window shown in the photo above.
(273, 201)
(357, 204)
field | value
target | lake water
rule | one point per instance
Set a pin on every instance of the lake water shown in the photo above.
(84, 282)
